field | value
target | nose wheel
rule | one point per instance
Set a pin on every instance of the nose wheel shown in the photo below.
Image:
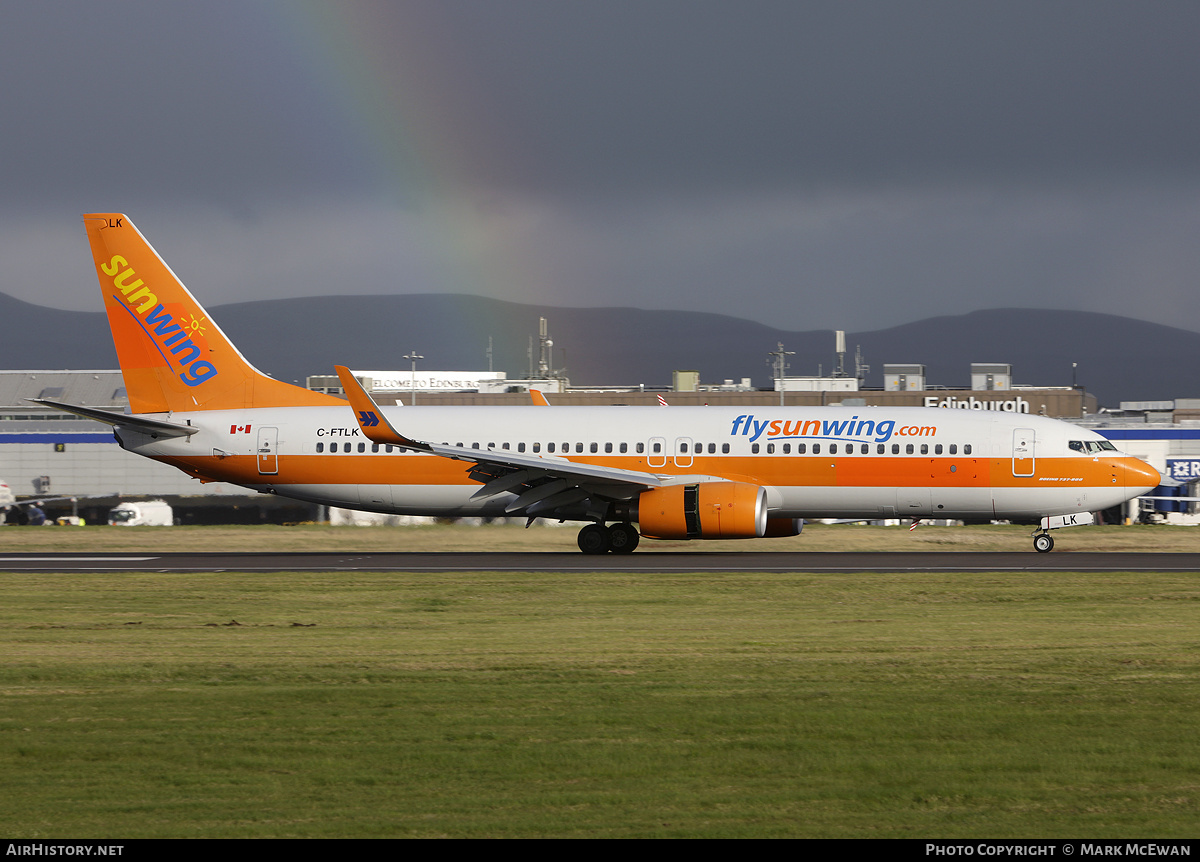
(1043, 543)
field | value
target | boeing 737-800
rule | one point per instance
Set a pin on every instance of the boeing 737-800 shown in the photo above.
(677, 473)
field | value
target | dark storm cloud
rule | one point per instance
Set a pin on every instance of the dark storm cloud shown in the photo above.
(848, 164)
(616, 96)
(130, 100)
(688, 95)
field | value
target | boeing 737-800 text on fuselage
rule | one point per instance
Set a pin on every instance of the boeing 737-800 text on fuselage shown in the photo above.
(675, 473)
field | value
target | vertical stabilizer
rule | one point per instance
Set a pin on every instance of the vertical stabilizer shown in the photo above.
(172, 354)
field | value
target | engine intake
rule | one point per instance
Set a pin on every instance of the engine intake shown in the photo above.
(707, 510)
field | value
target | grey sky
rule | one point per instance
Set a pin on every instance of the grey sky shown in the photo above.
(837, 164)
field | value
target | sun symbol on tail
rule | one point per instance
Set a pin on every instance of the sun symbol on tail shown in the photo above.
(194, 325)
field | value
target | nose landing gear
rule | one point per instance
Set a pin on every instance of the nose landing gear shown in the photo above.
(1043, 543)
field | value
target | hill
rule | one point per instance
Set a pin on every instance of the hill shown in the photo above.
(1119, 358)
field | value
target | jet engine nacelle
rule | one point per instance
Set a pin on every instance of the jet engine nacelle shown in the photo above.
(707, 510)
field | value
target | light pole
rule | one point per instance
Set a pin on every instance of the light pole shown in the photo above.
(414, 356)
(780, 364)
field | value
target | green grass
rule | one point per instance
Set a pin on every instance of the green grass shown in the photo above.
(511, 536)
(614, 705)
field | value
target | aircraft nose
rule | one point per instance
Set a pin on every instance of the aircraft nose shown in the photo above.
(1140, 476)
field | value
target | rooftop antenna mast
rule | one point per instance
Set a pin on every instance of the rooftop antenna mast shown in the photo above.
(545, 346)
(861, 369)
(839, 347)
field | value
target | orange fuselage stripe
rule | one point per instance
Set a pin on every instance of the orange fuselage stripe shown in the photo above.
(800, 471)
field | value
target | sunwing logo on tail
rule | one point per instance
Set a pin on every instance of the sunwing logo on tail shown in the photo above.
(183, 340)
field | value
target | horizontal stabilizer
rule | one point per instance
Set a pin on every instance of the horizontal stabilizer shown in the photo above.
(124, 420)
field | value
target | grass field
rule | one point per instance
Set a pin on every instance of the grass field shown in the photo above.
(606, 705)
(511, 536)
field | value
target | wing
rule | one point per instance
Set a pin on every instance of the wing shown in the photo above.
(542, 484)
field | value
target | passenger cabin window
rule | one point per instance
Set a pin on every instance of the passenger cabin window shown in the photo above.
(770, 448)
(549, 447)
(579, 448)
(624, 448)
(953, 448)
(320, 447)
(594, 448)
(801, 448)
(520, 447)
(657, 448)
(724, 448)
(967, 449)
(754, 448)
(641, 448)
(607, 448)
(816, 448)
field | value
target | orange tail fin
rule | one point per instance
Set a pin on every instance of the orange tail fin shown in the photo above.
(173, 356)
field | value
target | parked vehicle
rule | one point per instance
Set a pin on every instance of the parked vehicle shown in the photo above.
(149, 513)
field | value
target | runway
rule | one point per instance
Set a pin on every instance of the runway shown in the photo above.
(652, 562)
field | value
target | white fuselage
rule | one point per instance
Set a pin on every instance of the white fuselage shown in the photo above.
(867, 462)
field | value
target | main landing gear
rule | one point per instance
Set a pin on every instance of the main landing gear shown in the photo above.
(620, 538)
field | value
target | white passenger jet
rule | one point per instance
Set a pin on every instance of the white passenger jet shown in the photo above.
(625, 472)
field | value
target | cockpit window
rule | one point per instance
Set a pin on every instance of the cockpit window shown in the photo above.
(1092, 446)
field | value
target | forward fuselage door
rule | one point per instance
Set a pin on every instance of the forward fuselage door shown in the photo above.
(268, 446)
(1023, 442)
(683, 451)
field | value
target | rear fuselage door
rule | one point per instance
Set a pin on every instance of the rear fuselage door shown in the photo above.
(268, 445)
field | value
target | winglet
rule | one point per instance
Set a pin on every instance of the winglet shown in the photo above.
(539, 398)
(375, 426)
